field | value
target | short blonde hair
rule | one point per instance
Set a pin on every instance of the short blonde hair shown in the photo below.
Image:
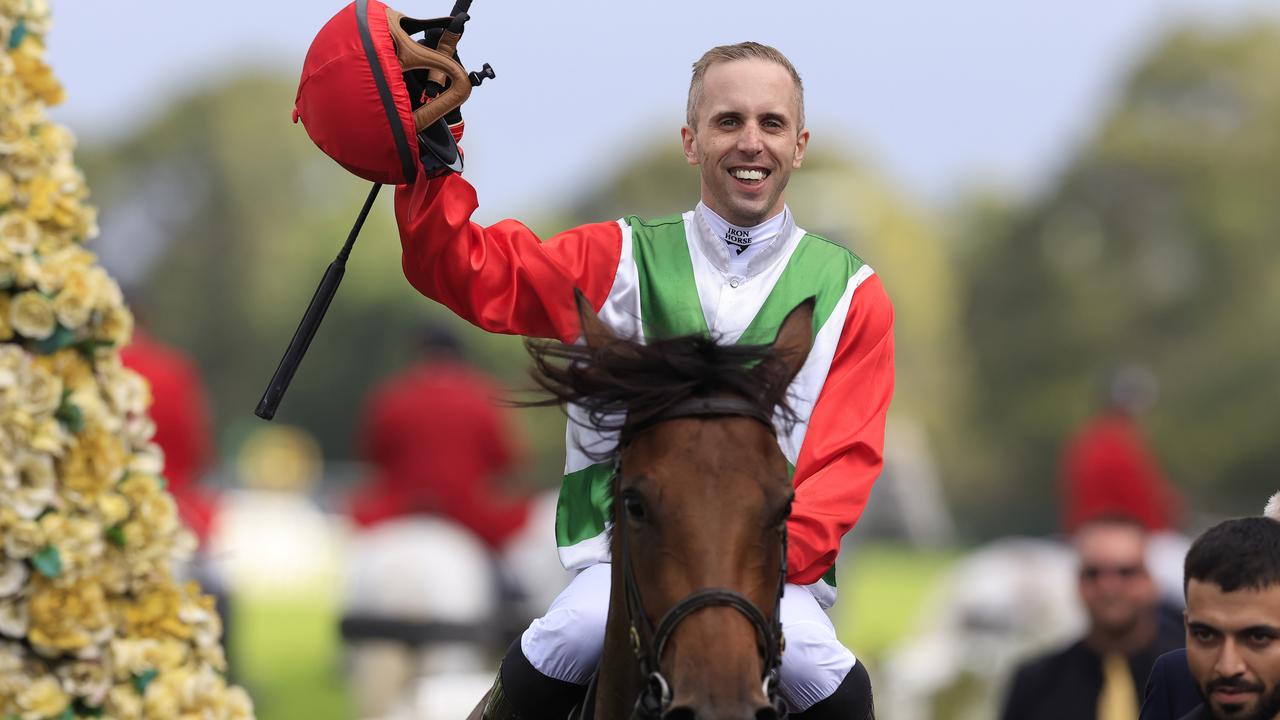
(741, 51)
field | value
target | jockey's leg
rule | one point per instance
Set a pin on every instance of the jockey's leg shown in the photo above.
(545, 673)
(819, 678)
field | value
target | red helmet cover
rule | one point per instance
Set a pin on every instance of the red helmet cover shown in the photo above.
(352, 97)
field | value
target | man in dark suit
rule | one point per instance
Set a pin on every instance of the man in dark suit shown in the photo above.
(1232, 581)
(1171, 691)
(1096, 677)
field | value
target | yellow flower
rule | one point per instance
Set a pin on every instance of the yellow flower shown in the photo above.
(15, 621)
(116, 326)
(124, 703)
(11, 92)
(92, 464)
(67, 619)
(152, 612)
(13, 577)
(71, 366)
(6, 329)
(36, 489)
(43, 699)
(73, 304)
(22, 536)
(32, 315)
(87, 679)
(112, 508)
(34, 73)
(161, 699)
(24, 160)
(42, 391)
(42, 194)
(7, 186)
(18, 232)
(55, 140)
(50, 437)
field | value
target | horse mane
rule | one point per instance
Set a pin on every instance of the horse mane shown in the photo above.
(625, 384)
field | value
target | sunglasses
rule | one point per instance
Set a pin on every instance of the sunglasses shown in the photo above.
(1125, 572)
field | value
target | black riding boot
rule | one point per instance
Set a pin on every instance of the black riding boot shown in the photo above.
(520, 692)
(850, 701)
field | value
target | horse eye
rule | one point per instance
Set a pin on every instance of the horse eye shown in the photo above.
(634, 506)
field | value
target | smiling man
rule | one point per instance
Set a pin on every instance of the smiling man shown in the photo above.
(731, 267)
(1233, 620)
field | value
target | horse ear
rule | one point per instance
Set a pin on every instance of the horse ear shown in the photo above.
(594, 331)
(795, 338)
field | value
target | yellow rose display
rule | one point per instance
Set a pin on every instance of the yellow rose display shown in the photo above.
(92, 621)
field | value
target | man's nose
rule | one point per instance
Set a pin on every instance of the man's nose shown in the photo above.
(749, 139)
(1230, 663)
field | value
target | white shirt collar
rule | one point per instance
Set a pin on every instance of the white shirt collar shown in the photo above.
(735, 250)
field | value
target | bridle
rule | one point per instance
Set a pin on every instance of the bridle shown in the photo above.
(649, 643)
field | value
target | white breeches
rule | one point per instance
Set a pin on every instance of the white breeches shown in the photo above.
(566, 642)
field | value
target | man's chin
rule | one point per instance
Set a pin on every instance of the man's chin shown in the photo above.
(1261, 706)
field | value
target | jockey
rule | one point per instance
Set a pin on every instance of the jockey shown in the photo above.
(731, 267)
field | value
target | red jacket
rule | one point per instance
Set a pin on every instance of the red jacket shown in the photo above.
(181, 416)
(438, 444)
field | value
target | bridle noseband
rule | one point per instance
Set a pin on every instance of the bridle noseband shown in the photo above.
(649, 646)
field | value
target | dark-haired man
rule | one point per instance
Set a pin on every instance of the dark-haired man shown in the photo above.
(1098, 675)
(1233, 620)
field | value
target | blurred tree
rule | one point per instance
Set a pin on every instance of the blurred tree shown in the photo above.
(1157, 245)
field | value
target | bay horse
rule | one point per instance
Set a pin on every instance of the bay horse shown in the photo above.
(701, 496)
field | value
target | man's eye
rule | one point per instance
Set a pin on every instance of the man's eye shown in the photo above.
(1260, 639)
(1203, 635)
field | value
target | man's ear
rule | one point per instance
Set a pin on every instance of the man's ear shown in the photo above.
(802, 142)
(690, 142)
(594, 331)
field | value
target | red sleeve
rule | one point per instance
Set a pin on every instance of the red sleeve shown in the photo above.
(843, 449)
(501, 278)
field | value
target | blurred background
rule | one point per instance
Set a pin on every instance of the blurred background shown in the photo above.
(1074, 207)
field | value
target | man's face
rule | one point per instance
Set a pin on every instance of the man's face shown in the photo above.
(747, 139)
(1114, 584)
(1233, 649)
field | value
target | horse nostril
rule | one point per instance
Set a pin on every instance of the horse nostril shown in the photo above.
(681, 713)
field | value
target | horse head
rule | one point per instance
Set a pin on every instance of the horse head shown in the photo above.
(701, 498)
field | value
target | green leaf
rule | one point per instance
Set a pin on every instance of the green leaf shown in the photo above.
(115, 534)
(17, 34)
(69, 415)
(48, 562)
(62, 337)
(143, 679)
(162, 483)
(68, 714)
(88, 710)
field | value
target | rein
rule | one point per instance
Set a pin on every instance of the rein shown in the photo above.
(649, 643)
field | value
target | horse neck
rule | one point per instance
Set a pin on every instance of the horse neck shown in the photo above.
(619, 682)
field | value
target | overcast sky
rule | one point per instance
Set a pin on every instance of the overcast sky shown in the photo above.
(936, 93)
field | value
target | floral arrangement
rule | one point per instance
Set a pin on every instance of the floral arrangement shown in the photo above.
(92, 620)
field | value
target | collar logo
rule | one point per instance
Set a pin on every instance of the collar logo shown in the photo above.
(737, 239)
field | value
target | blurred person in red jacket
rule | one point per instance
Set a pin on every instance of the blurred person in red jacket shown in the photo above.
(439, 444)
(181, 414)
(1108, 468)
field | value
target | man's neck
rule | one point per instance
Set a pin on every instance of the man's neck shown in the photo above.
(1141, 635)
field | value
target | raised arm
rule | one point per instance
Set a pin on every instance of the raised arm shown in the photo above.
(843, 450)
(502, 278)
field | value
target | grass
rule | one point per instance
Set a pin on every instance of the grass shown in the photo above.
(286, 654)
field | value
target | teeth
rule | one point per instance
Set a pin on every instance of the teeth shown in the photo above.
(749, 174)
